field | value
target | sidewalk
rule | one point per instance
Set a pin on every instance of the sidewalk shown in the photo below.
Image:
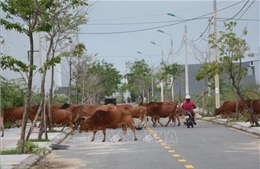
(24, 161)
(244, 126)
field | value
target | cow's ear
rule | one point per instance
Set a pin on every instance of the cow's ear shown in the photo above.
(81, 119)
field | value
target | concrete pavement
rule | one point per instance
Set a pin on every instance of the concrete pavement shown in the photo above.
(24, 161)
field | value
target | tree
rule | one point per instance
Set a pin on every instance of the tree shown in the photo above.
(107, 79)
(232, 50)
(139, 79)
(174, 70)
(28, 11)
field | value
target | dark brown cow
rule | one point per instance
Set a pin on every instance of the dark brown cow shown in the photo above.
(59, 116)
(255, 107)
(102, 120)
(13, 114)
(2, 126)
(138, 112)
(230, 106)
(161, 109)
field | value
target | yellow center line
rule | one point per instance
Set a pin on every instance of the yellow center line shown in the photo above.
(182, 160)
(188, 166)
(168, 147)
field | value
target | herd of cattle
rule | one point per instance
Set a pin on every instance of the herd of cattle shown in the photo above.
(94, 118)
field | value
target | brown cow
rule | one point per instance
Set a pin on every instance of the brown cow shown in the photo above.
(59, 116)
(160, 109)
(138, 112)
(178, 113)
(230, 106)
(102, 120)
(2, 126)
(13, 114)
(86, 111)
(255, 107)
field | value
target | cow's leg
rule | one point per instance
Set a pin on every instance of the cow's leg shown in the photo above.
(93, 136)
(158, 119)
(144, 121)
(228, 116)
(72, 128)
(104, 134)
(2, 127)
(178, 118)
(123, 132)
(153, 119)
(170, 119)
(133, 130)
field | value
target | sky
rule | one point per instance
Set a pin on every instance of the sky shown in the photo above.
(116, 30)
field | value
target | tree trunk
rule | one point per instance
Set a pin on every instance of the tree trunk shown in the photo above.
(28, 98)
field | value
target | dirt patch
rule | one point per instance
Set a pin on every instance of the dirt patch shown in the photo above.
(52, 161)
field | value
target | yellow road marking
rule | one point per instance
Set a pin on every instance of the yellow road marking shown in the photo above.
(167, 147)
(188, 166)
(163, 144)
(171, 151)
(182, 160)
(160, 141)
(176, 155)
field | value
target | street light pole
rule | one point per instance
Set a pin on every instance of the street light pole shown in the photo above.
(162, 90)
(186, 54)
(151, 62)
(171, 51)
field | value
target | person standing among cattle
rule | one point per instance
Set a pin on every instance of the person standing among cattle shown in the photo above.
(188, 105)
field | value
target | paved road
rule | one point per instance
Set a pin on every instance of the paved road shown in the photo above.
(206, 146)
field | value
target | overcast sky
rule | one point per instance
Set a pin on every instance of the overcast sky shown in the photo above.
(118, 29)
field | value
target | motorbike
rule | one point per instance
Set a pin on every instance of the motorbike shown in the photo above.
(188, 119)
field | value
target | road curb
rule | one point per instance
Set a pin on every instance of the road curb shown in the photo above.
(251, 130)
(32, 159)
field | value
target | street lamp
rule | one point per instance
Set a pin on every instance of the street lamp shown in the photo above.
(162, 93)
(151, 71)
(171, 51)
(186, 54)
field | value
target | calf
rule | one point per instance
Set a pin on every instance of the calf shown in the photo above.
(102, 120)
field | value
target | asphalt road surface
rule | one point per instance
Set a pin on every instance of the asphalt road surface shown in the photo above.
(206, 146)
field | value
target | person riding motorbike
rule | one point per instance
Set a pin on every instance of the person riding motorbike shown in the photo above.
(188, 105)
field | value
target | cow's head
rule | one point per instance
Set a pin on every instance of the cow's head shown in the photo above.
(84, 125)
(217, 112)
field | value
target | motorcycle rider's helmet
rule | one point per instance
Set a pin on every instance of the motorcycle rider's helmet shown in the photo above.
(187, 97)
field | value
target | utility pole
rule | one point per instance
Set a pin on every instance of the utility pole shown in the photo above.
(217, 94)
(186, 61)
(172, 82)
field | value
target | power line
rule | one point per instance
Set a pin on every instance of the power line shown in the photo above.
(156, 27)
(238, 11)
